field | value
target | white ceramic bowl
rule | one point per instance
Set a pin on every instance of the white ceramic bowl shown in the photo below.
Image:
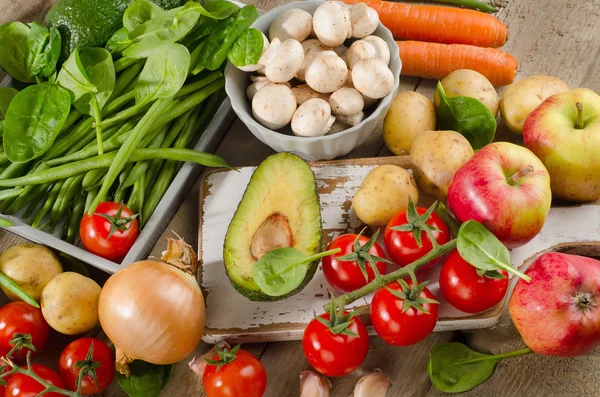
(318, 148)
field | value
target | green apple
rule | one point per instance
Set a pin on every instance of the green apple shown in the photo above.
(564, 132)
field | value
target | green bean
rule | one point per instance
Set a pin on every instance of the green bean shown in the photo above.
(10, 193)
(125, 78)
(128, 113)
(159, 188)
(196, 85)
(67, 194)
(15, 169)
(47, 204)
(123, 63)
(76, 215)
(10, 285)
(31, 200)
(89, 198)
(91, 178)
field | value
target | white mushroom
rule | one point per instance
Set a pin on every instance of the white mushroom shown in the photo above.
(336, 127)
(346, 102)
(285, 62)
(331, 23)
(258, 82)
(313, 118)
(303, 93)
(373, 78)
(255, 67)
(359, 50)
(349, 22)
(364, 20)
(382, 49)
(274, 105)
(312, 48)
(353, 120)
(268, 55)
(327, 73)
(291, 24)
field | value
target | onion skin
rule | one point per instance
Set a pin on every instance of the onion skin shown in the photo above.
(152, 311)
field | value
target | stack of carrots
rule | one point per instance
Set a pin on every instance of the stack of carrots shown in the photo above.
(438, 40)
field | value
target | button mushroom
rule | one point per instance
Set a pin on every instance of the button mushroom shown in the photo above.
(346, 102)
(372, 78)
(255, 67)
(382, 50)
(274, 105)
(291, 24)
(258, 82)
(349, 22)
(353, 120)
(313, 118)
(285, 61)
(364, 20)
(312, 48)
(331, 24)
(336, 127)
(359, 50)
(303, 93)
(327, 73)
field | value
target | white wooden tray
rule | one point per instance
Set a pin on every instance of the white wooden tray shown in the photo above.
(231, 316)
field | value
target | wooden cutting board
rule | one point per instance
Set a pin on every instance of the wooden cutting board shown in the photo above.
(233, 317)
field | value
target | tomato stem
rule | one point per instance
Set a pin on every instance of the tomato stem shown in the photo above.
(374, 285)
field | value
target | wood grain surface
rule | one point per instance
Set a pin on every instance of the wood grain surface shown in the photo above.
(556, 37)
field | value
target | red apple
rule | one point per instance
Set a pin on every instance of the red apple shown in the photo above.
(558, 312)
(506, 188)
(564, 132)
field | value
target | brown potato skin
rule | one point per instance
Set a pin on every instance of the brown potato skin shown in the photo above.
(465, 82)
(436, 156)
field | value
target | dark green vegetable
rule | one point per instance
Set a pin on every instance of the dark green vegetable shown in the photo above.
(6, 96)
(13, 47)
(140, 12)
(282, 270)
(467, 116)
(247, 49)
(10, 285)
(43, 51)
(146, 380)
(474, 4)
(34, 118)
(455, 368)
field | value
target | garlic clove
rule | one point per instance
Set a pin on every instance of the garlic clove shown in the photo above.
(314, 385)
(375, 384)
(198, 364)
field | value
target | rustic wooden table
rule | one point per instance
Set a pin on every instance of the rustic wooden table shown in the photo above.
(553, 37)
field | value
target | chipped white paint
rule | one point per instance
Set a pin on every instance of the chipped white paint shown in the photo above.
(231, 316)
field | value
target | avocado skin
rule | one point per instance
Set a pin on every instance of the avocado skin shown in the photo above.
(90, 23)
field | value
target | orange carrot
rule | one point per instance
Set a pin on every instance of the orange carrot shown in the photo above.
(436, 61)
(439, 24)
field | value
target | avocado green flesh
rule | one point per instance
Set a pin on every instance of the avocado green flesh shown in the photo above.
(90, 23)
(284, 184)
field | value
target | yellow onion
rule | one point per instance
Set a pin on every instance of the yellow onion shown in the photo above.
(154, 310)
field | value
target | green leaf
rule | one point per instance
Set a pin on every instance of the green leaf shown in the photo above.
(219, 9)
(34, 118)
(74, 78)
(146, 380)
(280, 271)
(100, 71)
(119, 41)
(6, 96)
(483, 250)
(467, 116)
(140, 12)
(43, 50)
(247, 49)
(13, 50)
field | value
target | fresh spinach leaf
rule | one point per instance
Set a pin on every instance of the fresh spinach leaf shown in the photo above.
(219, 9)
(282, 270)
(43, 50)
(483, 250)
(6, 96)
(140, 12)
(467, 116)
(13, 50)
(146, 380)
(163, 74)
(119, 41)
(34, 119)
(247, 49)
(455, 368)
(74, 78)
(216, 47)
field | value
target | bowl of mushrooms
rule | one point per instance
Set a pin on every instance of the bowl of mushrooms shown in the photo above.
(323, 82)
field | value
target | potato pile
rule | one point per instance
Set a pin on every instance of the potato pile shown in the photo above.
(308, 77)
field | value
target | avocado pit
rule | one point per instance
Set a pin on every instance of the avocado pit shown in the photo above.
(273, 233)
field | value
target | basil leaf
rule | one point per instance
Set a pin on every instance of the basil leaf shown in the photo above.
(140, 12)
(43, 50)
(163, 74)
(146, 380)
(280, 271)
(34, 118)
(247, 49)
(6, 96)
(13, 50)
(483, 250)
(467, 116)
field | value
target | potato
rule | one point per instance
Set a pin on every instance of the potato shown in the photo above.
(465, 82)
(31, 267)
(70, 303)
(383, 193)
(409, 114)
(436, 156)
(523, 96)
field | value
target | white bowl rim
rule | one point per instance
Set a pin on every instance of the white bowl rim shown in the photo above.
(388, 98)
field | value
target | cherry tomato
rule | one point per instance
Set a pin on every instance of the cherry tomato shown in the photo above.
(466, 290)
(400, 328)
(77, 351)
(21, 385)
(346, 276)
(95, 229)
(402, 246)
(22, 318)
(335, 354)
(244, 376)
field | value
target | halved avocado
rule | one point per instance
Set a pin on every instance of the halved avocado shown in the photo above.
(280, 208)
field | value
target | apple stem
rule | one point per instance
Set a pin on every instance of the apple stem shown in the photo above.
(579, 121)
(513, 179)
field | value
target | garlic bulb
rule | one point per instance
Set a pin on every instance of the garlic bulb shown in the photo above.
(375, 384)
(314, 385)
